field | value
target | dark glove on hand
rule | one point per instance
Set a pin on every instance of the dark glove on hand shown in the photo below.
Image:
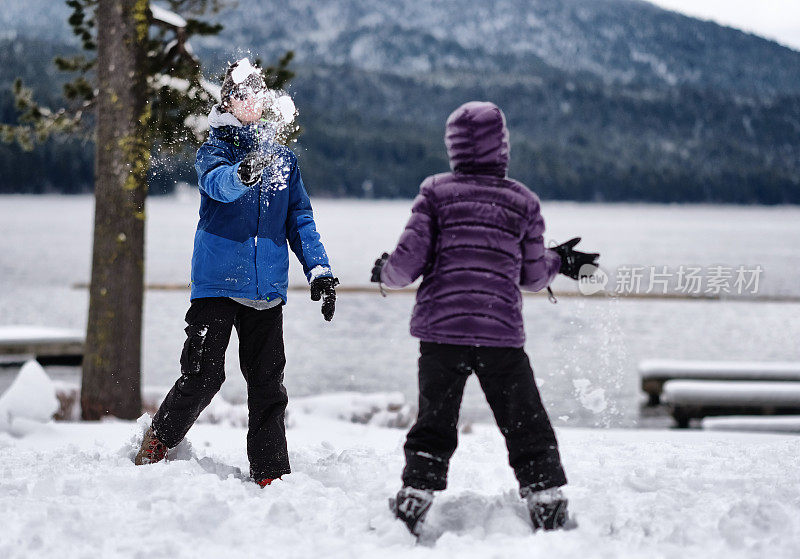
(325, 288)
(572, 260)
(252, 167)
(376, 269)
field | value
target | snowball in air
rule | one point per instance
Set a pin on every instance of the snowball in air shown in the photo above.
(242, 70)
(286, 108)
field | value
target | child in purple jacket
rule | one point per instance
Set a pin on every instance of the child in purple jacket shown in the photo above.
(476, 238)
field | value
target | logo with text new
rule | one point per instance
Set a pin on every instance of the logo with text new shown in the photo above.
(591, 280)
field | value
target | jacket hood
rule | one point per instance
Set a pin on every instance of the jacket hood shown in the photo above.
(476, 137)
(227, 127)
(218, 119)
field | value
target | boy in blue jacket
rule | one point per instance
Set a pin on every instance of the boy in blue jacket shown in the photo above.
(253, 207)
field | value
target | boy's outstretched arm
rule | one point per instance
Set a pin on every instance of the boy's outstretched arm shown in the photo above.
(414, 250)
(540, 265)
(217, 175)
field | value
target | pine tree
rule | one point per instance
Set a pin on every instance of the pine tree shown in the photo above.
(111, 379)
(139, 89)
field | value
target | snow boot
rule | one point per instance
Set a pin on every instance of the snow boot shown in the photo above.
(547, 507)
(411, 505)
(263, 482)
(152, 450)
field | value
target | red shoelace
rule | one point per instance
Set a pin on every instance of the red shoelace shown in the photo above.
(155, 451)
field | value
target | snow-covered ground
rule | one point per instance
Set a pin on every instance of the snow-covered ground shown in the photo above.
(754, 423)
(71, 490)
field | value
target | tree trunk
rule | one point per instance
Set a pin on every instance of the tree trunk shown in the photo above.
(112, 363)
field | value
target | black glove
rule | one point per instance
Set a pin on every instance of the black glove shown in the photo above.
(572, 260)
(376, 269)
(326, 289)
(252, 167)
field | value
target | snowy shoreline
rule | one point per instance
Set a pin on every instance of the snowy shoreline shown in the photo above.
(70, 489)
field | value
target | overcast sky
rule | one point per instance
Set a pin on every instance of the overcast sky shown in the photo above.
(778, 20)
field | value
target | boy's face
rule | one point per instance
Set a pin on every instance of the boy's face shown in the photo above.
(248, 109)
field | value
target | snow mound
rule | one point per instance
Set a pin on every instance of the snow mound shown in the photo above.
(29, 402)
(382, 409)
(735, 392)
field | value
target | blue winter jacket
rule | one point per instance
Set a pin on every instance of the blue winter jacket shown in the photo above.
(240, 247)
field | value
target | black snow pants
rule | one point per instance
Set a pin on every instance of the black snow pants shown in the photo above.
(506, 377)
(262, 360)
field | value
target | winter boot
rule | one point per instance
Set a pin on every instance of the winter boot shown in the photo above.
(548, 508)
(263, 482)
(152, 450)
(411, 505)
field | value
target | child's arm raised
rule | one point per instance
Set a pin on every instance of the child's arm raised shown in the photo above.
(217, 175)
(540, 265)
(415, 248)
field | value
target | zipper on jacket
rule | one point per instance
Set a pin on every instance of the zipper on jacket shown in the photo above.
(255, 252)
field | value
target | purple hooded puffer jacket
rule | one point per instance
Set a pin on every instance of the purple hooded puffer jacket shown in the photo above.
(476, 237)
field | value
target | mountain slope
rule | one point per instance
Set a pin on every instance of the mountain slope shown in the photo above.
(621, 40)
(627, 41)
(606, 99)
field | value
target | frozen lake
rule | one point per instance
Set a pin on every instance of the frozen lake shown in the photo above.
(584, 351)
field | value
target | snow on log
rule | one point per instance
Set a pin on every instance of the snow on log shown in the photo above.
(709, 392)
(37, 334)
(712, 370)
(655, 372)
(211, 88)
(771, 424)
(167, 17)
(689, 399)
(42, 342)
(163, 80)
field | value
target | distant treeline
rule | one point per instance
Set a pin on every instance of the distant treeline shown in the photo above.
(373, 134)
(574, 139)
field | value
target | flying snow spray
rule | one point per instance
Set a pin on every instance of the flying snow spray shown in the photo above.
(277, 125)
